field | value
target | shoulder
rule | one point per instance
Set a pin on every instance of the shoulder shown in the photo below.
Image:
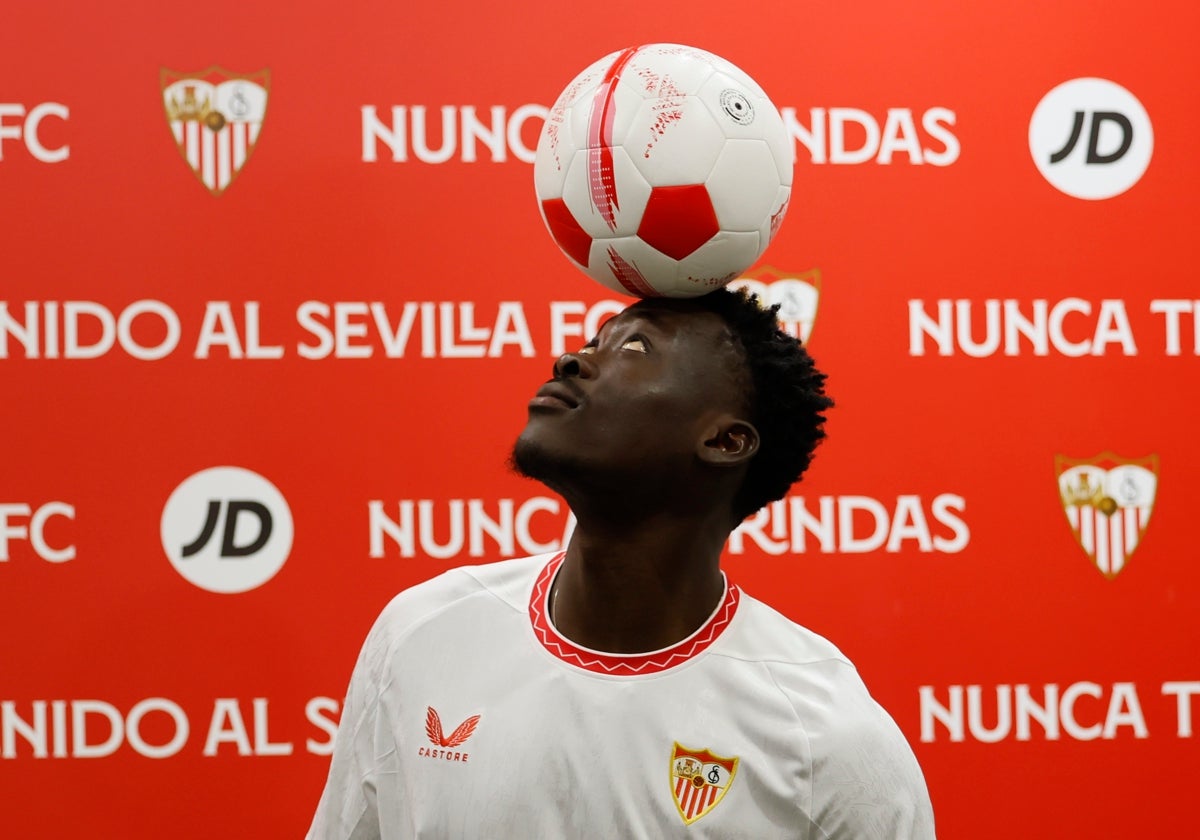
(866, 780)
(818, 681)
(763, 634)
(867, 784)
(506, 582)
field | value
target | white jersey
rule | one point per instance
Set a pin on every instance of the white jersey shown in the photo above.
(469, 716)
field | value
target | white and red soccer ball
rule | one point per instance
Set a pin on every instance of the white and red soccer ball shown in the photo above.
(663, 171)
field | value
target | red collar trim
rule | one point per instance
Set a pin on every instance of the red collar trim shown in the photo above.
(623, 664)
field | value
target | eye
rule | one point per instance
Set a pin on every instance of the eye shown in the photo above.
(636, 343)
(586, 350)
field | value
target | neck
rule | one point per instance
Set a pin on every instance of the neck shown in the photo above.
(638, 586)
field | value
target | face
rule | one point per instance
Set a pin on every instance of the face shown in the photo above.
(636, 401)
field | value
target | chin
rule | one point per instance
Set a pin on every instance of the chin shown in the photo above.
(531, 459)
(528, 458)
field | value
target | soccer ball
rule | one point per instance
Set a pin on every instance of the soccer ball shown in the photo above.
(663, 171)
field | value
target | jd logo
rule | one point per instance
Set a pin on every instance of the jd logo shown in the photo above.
(1093, 150)
(236, 508)
(1091, 138)
(227, 529)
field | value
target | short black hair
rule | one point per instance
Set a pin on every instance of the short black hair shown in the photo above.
(786, 396)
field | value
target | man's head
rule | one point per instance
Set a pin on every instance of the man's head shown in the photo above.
(684, 402)
(786, 395)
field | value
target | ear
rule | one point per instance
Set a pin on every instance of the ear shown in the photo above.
(728, 442)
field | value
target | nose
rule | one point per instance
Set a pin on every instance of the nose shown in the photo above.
(570, 366)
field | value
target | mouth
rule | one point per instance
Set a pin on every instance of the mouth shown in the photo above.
(556, 394)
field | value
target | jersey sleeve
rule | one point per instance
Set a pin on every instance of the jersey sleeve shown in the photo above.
(364, 749)
(871, 788)
(348, 808)
(863, 782)
(867, 784)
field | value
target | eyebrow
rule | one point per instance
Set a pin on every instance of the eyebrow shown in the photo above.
(651, 315)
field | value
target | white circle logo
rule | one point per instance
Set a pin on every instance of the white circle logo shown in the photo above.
(227, 529)
(1091, 138)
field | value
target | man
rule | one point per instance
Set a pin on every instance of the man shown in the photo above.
(623, 688)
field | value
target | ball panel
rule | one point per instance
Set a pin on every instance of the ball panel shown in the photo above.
(782, 146)
(743, 114)
(549, 165)
(737, 75)
(602, 115)
(678, 220)
(667, 71)
(672, 140)
(606, 194)
(587, 80)
(626, 264)
(556, 143)
(735, 107)
(571, 238)
(779, 211)
(744, 185)
(717, 262)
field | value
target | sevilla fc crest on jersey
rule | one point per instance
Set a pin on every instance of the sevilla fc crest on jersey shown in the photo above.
(216, 117)
(699, 780)
(1108, 501)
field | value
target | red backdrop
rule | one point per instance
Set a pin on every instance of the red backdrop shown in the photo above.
(985, 329)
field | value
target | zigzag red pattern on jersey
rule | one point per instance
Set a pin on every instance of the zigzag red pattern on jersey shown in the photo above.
(623, 665)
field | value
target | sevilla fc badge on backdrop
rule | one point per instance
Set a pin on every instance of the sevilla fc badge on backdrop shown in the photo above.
(216, 117)
(1108, 501)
